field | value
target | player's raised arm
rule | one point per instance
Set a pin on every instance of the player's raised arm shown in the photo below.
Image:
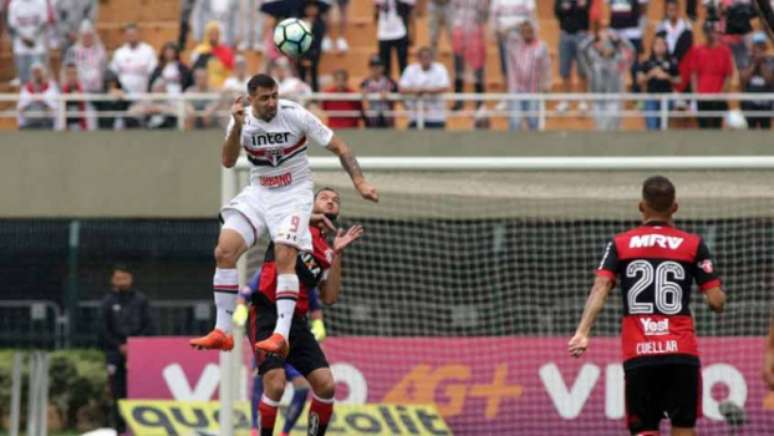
(349, 162)
(594, 304)
(231, 147)
(329, 289)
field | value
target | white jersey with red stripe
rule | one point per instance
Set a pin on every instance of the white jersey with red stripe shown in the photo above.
(277, 149)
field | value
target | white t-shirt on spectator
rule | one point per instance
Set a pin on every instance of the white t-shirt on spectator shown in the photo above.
(507, 15)
(435, 77)
(293, 88)
(28, 19)
(172, 80)
(390, 25)
(133, 66)
(673, 32)
(233, 84)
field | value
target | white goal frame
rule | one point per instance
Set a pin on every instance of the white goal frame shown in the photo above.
(231, 361)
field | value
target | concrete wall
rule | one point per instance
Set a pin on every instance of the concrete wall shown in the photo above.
(173, 174)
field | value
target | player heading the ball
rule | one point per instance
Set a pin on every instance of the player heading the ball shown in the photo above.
(656, 264)
(279, 198)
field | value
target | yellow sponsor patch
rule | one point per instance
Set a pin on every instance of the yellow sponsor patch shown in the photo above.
(164, 417)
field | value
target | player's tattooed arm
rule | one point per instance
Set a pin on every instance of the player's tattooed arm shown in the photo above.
(352, 167)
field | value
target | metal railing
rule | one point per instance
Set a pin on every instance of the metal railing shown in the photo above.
(409, 108)
(21, 327)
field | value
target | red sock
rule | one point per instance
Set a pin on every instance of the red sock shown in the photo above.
(319, 415)
(268, 411)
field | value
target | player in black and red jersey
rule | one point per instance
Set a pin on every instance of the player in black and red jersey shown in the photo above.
(656, 264)
(319, 269)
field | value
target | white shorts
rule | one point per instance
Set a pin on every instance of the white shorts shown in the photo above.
(284, 212)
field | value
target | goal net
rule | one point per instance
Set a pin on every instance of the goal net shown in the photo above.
(469, 282)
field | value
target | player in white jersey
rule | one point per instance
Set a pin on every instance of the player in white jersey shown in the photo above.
(275, 135)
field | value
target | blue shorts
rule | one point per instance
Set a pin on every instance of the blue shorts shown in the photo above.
(568, 53)
(291, 373)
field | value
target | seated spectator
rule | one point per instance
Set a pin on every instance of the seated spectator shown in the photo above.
(214, 56)
(133, 62)
(606, 57)
(69, 14)
(89, 56)
(175, 74)
(201, 112)
(658, 75)
(710, 70)
(119, 103)
(154, 113)
(289, 86)
(237, 83)
(758, 76)
(28, 21)
(529, 72)
(506, 16)
(38, 101)
(425, 80)
(377, 110)
(735, 22)
(573, 16)
(80, 114)
(341, 86)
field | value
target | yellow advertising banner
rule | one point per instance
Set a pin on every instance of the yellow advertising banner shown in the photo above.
(184, 418)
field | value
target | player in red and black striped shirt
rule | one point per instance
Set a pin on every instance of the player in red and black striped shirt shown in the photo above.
(656, 264)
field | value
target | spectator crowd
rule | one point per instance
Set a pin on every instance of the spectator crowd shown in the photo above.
(604, 54)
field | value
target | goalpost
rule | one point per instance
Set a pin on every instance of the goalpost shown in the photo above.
(482, 266)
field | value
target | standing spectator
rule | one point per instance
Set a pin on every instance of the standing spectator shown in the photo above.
(89, 56)
(426, 80)
(606, 57)
(224, 12)
(69, 16)
(469, 44)
(80, 114)
(125, 312)
(38, 101)
(676, 31)
(710, 69)
(27, 21)
(625, 20)
(237, 83)
(529, 72)
(214, 56)
(341, 86)
(758, 76)
(394, 30)
(176, 75)
(441, 16)
(133, 62)
(377, 109)
(202, 112)
(342, 46)
(251, 26)
(309, 64)
(506, 16)
(573, 16)
(735, 20)
(658, 75)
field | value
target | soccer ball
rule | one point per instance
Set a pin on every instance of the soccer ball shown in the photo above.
(293, 37)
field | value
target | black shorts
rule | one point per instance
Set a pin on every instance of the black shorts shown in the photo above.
(305, 353)
(654, 392)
